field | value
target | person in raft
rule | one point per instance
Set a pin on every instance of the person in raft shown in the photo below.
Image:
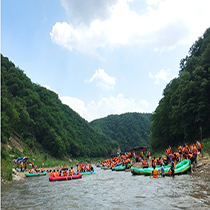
(145, 163)
(57, 173)
(172, 168)
(52, 173)
(154, 173)
(65, 173)
(71, 172)
(78, 169)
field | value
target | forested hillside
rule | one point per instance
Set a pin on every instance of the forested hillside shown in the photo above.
(36, 114)
(129, 130)
(183, 114)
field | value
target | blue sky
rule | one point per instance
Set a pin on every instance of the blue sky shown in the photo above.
(102, 57)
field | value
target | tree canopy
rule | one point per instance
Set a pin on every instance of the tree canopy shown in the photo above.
(183, 114)
(129, 129)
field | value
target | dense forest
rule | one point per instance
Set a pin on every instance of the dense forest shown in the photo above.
(129, 129)
(183, 114)
(36, 114)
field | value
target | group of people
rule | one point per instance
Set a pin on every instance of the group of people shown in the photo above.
(35, 170)
(116, 160)
(65, 172)
(141, 155)
(22, 168)
(185, 152)
(84, 168)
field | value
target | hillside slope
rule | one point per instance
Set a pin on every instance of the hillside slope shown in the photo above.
(183, 114)
(129, 129)
(37, 115)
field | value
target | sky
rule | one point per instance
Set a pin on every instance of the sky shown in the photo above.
(102, 57)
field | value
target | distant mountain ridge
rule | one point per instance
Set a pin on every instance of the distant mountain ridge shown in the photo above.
(129, 129)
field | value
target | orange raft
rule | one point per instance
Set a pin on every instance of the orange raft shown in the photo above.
(63, 178)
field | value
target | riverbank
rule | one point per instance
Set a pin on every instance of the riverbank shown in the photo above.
(201, 169)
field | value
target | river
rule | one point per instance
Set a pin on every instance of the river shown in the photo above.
(108, 190)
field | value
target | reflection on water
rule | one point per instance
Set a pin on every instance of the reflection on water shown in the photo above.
(108, 190)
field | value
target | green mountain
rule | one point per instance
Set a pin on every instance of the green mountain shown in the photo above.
(183, 114)
(36, 115)
(129, 129)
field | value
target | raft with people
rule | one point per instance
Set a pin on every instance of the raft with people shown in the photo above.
(35, 174)
(63, 178)
(122, 167)
(180, 168)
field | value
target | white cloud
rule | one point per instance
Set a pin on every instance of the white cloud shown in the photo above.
(105, 106)
(150, 75)
(102, 79)
(49, 88)
(162, 76)
(153, 2)
(97, 24)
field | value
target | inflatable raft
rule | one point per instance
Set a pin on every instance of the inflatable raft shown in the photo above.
(88, 173)
(63, 178)
(123, 167)
(180, 168)
(36, 174)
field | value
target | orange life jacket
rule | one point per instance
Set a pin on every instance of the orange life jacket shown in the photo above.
(57, 173)
(172, 165)
(198, 145)
(155, 173)
(190, 156)
(144, 163)
(65, 173)
(187, 149)
(158, 161)
(194, 149)
(180, 148)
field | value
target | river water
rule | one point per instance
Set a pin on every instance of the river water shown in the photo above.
(108, 190)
